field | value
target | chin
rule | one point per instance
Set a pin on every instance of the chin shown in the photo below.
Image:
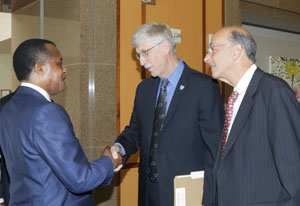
(153, 75)
(214, 75)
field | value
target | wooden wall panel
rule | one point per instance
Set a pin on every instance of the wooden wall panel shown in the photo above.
(179, 14)
(129, 187)
(214, 21)
(129, 76)
(130, 70)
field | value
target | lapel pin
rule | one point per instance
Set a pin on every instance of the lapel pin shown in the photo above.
(181, 87)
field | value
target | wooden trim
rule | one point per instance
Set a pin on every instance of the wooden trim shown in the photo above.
(118, 67)
(118, 92)
(204, 34)
(131, 165)
(223, 12)
(143, 13)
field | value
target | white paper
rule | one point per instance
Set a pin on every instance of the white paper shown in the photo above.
(180, 196)
(198, 174)
(176, 33)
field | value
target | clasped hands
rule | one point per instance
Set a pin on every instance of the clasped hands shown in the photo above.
(114, 153)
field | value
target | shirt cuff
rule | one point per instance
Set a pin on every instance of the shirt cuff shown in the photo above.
(122, 148)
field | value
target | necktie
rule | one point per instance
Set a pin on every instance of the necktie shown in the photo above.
(228, 114)
(160, 114)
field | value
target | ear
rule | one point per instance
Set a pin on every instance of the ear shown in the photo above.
(237, 51)
(40, 68)
(166, 47)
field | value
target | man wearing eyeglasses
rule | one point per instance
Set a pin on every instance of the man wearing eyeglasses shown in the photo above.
(176, 121)
(258, 161)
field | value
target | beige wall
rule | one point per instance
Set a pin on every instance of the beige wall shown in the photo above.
(274, 43)
(5, 57)
(278, 14)
(284, 9)
(5, 71)
(23, 27)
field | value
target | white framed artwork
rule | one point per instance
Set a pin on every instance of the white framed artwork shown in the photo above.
(287, 69)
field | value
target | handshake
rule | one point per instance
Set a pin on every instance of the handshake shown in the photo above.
(114, 153)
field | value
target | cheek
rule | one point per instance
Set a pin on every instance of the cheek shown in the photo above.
(218, 61)
(214, 57)
(160, 62)
(55, 80)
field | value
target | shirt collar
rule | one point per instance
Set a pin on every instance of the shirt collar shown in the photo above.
(243, 83)
(38, 89)
(175, 75)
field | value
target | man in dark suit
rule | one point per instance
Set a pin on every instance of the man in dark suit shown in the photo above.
(4, 191)
(4, 184)
(44, 159)
(259, 159)
(192, 123)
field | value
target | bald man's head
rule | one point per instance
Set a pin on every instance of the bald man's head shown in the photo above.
(240, 35)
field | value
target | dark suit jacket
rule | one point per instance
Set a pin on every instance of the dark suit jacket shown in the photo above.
(261, 162)
(45, 161)
(190, 136)
(4, 174)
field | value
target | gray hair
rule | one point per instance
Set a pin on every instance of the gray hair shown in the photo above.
(246, 41)
(155, 32)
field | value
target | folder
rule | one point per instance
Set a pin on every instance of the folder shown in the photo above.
(188, 189)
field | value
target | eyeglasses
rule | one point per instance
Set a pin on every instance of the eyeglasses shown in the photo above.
(211, 49)
(146, 52)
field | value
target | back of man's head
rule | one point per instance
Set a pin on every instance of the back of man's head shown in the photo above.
(29, 53)
(245, 39)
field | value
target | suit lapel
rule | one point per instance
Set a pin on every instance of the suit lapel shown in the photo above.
(150, 105)
(243, 111)
(181, 87)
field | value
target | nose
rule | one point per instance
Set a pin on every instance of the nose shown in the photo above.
(64, 69)
(142, 60)
(207, 58)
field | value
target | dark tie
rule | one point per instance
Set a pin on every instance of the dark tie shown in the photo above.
(228, 114)
(160, 114)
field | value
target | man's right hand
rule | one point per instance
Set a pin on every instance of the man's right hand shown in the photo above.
(116, 151)
(116, 159)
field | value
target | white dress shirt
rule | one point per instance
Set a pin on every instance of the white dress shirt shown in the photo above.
(241, 88)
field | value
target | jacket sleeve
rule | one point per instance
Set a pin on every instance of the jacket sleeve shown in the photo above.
(211, 121)
(55, 141)
(284, 138)
(129, 138)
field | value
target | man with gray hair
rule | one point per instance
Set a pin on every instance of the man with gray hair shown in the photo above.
(176, 121)
(258, 161)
